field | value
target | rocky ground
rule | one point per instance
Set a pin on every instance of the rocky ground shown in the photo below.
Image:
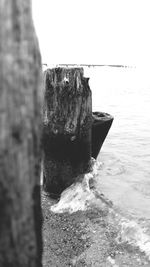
(87, 238)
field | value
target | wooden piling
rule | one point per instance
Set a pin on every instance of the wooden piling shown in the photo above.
(67, 122)
(20, 121)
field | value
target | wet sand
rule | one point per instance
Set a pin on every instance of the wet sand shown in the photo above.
(87, 238)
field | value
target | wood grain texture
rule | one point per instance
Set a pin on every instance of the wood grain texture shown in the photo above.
(20, 98)
(67, 124)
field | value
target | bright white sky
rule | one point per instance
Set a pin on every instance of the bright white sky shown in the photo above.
(93, 31)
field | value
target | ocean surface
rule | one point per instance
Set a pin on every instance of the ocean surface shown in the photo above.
(124, 169)
(125, 155)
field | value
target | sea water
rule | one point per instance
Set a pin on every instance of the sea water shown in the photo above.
(124, 177)
(125, 174)
(122, 167)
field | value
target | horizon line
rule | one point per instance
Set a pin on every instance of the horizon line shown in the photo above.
(92, 65)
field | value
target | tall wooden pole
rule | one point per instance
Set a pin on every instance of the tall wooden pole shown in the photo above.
(66, 127)
(20, 76)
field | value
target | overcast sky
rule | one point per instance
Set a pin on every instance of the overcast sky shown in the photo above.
(93, 31)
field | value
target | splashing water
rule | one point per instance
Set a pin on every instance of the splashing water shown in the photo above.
(79, 195)
(132, 233)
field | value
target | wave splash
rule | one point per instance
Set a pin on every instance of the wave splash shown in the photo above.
(79, 195)
(134, 234)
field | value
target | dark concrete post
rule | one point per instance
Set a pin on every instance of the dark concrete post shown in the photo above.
(66, 127)
(20, 122)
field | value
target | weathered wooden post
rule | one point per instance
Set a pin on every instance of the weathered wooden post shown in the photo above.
(20, 75)
(66, 127)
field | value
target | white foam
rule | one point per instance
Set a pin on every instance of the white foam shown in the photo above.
(78, 196)
(135, 235)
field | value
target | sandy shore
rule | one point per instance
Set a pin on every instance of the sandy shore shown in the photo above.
(87, 238)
